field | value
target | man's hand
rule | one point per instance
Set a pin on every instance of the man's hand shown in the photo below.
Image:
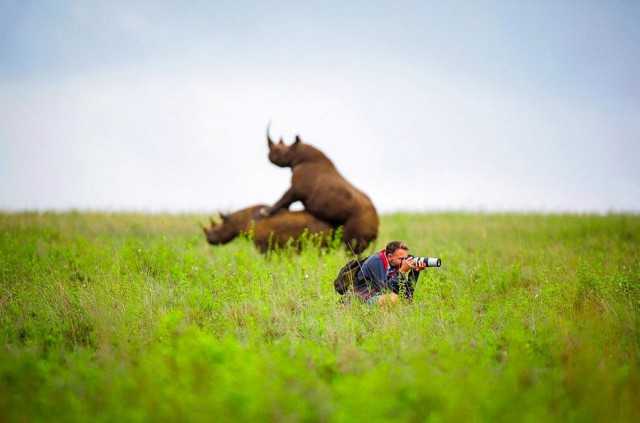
(421, 267)
(409, 263)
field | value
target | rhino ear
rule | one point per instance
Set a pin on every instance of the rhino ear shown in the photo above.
(281, 142)
(298, 140)
(224, 216)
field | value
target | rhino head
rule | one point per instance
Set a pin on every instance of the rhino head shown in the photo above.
(282, 155)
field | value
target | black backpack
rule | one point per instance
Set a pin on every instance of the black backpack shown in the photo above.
(347, 276)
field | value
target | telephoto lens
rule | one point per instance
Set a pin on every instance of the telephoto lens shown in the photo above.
(429, 261)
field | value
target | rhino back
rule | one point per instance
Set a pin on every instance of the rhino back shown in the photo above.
(328, 195)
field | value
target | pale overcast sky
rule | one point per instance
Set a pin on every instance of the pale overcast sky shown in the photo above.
(155, 106)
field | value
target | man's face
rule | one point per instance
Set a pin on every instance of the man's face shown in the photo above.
(396, 259)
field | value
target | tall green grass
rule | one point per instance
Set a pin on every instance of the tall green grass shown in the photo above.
(115, 317)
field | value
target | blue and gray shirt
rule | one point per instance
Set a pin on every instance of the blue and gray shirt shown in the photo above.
(377, 276)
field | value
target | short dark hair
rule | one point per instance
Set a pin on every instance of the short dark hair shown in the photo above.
(396, 245)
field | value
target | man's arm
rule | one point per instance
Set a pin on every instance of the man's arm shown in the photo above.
(406, 282)
(374, 274)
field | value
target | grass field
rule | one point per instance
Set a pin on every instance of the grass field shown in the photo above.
(116, 317)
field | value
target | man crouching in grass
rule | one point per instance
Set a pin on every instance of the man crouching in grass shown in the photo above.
(385, 275)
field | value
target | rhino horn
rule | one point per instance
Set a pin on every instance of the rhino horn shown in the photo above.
(268, 137)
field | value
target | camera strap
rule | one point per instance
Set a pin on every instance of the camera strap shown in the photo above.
(387, 270)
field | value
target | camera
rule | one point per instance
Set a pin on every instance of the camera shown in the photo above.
(429, 261)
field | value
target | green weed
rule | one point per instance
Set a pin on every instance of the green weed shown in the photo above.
(136, 318)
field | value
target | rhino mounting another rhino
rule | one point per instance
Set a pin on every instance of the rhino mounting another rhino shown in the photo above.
(324, 192)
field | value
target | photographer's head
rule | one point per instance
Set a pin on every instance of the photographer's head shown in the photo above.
(397, 252)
